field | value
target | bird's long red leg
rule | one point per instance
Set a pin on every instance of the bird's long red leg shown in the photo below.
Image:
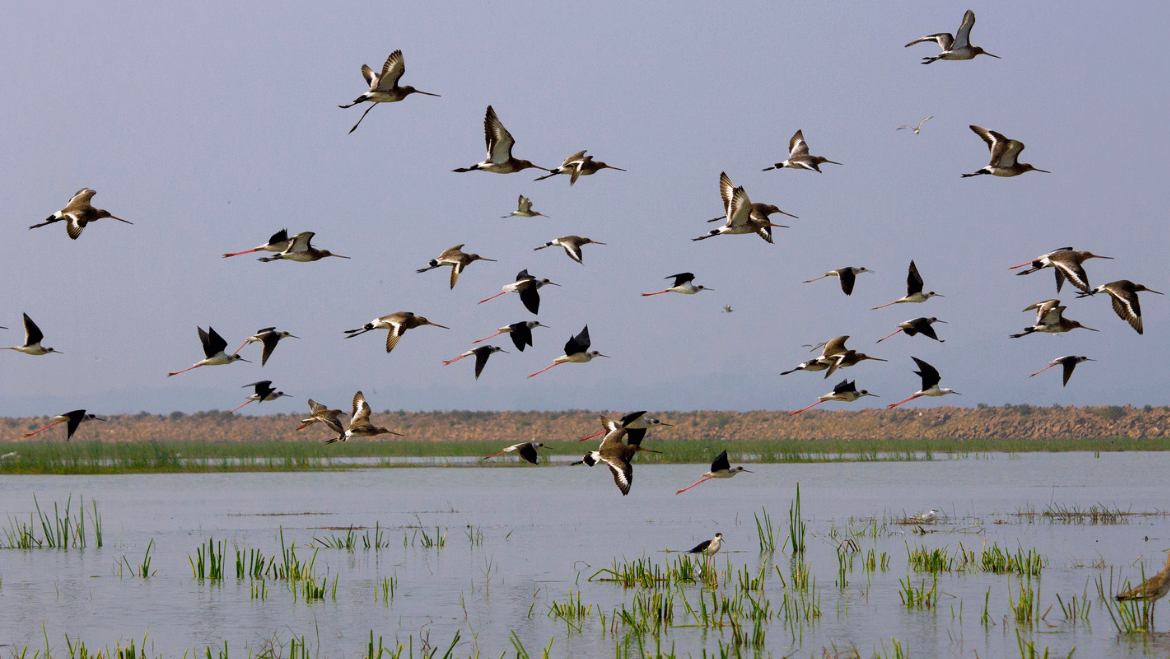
(893, 405)
(883, 306)
(488, 457)
(240, 348)
(492, 297)
(658, 293)
(240, 407)
(888, 335)
(247, 251)
(1041, 371)
(805, 408)
(809, 281)
(545, 369)
(45, 428)
(591, 436)
(305, 425)
(1020, 265)
(184, 370)
(447, 362)
(490, 337)
(702, 480)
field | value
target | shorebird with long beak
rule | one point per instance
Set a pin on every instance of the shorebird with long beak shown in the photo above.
(1069, 362)
(481, 357)
(523, 209)
(526, 450)
(1066, 263)
(636, 425)
(1004, 155)
(914, 292)
(1050, 319)
(571, 244)
(799, 158)
(527, 286)
(397, 322)
(268, 337)
(277, 243)
(917, 326)
(848, 277)
(847, 359)
(384, 86)
(955, 47)
(616, 455)
(214, 348)
(499, 149)
(708, 548)
(917, 128)
(359, 423)
(1150, 590)
(738, 209)
(684, 282)
(760, 214)
(720, 468)
(576, 352)
(456, 259)
(74, 419)
(32, 340)
(520, 333)
(831, 349)
(578, 165)
(930, 380)
(79, 213)
(263, 391)
(1123, 294)
(844, 392)
(301, 250)
(319, 413)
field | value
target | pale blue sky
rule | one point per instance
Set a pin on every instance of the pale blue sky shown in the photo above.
(211, 126)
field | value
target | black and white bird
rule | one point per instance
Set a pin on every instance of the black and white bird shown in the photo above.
(914, 292)
(930, 380)
(571, 244)
(32, 340)
(720, 468)
(1069, 362)
(708, 548)
(616, 455)
(528, 287)
(917, 326)
(636, 425)
(844, 392)
(263, 391)
(520, 333)
(214, 350)
(74, 419)
(481, 357)
(683, 283)
(1123, 294)
(848, 277)
(526, 450)
(576, 352)
(268, 337)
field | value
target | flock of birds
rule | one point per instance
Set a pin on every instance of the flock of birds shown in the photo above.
(623, 438)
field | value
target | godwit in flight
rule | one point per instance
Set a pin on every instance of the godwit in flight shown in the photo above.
(683, 283)
(268, 337)
(527, 286)
(917, 326)
(956, 47)
(1050, 319)
(1004, 154)
(481, 357)
(798, 157)
(32, 340)
(520, 333)
(1069, 362)
(913, 290)
(738, 209)
(636, 425)
(526, 450)
(917, 128)
(848, 277)
(301, 250)
(397, 323)
(576, 352)
(572, 246)
(455, 258)
(213, 349)
(830, 350)
(1066, 262)
(319, 413)
(277, 243)
(264, 391)
(524, 209)
(616, 455)
(1123, 293)
(79, 213)
(74, 420)
(1150, 590)
(844, 392)
(930, 380)
(577, 165)
(708, 548)
(359, 423)
(720, 468)
(499, 149)
(384, 87)
(847, 359)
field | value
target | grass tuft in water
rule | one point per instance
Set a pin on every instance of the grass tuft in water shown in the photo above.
(796, 525)
(208, 563)
(765, 532)
(919, 597)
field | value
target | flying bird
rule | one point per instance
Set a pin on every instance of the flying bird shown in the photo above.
(720, 468)
(481, 357)
(831, 349)
(799, 158)
(319, 413)
(917, 326)
(930, 380)
(456, 259)
(527, 286)
(738, 209)
(268, 337)
(526, 450)
(848, 277)
(1050, 319)
(301, 250)
(214, 350)
(578, 165)
(524, 209)
(636, 425)
(520, 333)
(576, 352)
(1123, 294)
(499, 149)
(397, 322)
(277, 243)
(263, 391)
(359, 423)
(571, 244)
(616, 455)
(79, 213)
(957, 47)
(844, 392)
(1066, 263)
(1068, 362)
(74, 419)
(1004, 154)
(914, 292)
(684, 282)
(32, 340)
(384, 86)
(917, 128)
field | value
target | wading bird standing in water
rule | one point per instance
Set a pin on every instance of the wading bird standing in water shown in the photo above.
(1150, 590)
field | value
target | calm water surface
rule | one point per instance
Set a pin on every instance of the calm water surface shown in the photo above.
(546, 530)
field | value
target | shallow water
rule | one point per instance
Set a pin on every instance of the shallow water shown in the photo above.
(546, 530)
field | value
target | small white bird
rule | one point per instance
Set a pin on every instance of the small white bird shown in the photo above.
(918, 127)
(683, 283)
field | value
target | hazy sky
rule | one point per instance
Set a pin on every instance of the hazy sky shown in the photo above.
(213, 125)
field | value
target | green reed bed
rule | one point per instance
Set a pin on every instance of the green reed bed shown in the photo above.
(644, 573)
(1129, 616)
(59, 530)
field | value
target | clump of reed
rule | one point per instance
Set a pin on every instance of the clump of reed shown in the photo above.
(61, 530)
(1128, 616)
(644, 573)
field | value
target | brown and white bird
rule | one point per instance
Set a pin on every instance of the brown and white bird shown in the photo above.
(578, 165)
(1069, 362)
(359, 423)
(301, 250)
(32, 340)
(526, 450)
(481, 357)
(740, 213)
(571, 244)
(263, 391)
(1150, 590)
(957, 47)
(499, 149)
(720, 468)
(799, 158)
(74, 419)
(1004, 155)
(844, 392)
(528, 287)
(79, 213)
(397, 322)
(1050, 319)
(214, 349)
(848, 277)
(524, 209)
(268, 337)
(277, 243)
(684, 282)
(576, 352)
(830, 350)
(616, 455)
(636, 425)
(384, 86)
(1066, 263)
(930, 379)
(917, 326)
(1123, 294)
(914, 292)
(520, 333)
(319, 413)
(456, 259)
